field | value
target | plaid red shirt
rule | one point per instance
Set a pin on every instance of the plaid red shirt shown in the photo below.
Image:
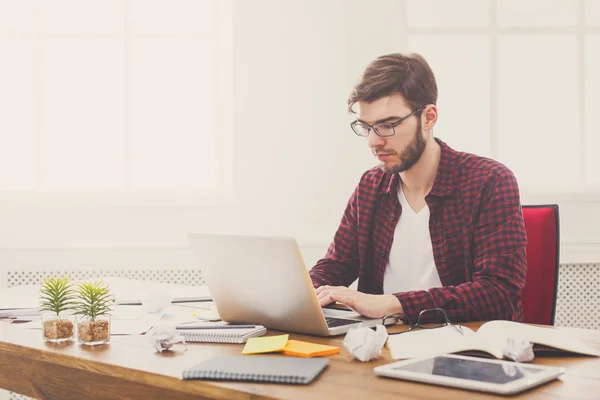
(477, 233)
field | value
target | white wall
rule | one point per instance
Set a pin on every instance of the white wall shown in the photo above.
(295, 160)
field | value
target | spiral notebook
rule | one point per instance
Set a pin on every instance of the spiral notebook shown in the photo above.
(273, 369)
(227, 334)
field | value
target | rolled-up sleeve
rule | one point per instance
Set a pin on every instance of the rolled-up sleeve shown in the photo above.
(340, 265)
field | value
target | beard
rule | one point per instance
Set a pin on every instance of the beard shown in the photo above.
(409, 156)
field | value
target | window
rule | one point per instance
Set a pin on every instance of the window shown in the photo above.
(518, 83)
(115, 97)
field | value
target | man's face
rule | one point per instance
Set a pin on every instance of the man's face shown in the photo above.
(400, 152)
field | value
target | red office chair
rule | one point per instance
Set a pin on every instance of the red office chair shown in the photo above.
(543, 245)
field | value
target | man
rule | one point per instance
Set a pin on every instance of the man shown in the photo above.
(430, 227)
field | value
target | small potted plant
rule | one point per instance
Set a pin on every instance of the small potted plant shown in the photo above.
(94, 301)
(57, 300)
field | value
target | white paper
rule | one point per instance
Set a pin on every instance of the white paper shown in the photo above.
(131, 291)
(156, 302)
(132, 320)
(117, 326)
(20, 297)
(177, 314)
(125, 319)
(19, 312)
(134, 326)
(126, 291)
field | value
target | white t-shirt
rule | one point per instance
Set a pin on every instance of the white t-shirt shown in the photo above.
(411, 265)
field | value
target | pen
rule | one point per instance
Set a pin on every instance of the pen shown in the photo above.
(215, 327)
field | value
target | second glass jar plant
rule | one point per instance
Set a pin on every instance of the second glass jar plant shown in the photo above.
(93, 304)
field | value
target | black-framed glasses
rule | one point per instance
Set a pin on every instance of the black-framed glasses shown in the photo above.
(437, 316)
(383, 129)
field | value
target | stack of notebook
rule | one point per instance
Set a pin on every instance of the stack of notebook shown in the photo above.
(256, 368)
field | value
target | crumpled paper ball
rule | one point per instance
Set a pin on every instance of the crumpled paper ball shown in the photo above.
(518, 350)
(364, 343)
(165, 337)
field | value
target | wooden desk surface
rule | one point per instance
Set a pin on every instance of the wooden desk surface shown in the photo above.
(128, 368)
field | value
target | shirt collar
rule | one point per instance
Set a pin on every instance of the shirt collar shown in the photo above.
(443, 185)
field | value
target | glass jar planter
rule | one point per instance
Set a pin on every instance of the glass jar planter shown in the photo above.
(93, 332)
(58, 329)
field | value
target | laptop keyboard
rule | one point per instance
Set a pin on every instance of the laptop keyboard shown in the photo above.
(333, 322)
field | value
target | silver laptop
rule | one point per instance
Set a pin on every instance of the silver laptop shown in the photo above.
(263, 280)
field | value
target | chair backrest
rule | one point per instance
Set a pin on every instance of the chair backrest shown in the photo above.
(543, 245)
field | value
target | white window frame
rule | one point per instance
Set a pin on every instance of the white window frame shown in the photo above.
(587, 193)
(223, 193)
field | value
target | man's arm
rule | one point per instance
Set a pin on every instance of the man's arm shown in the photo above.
(340, 265)
(500, 264)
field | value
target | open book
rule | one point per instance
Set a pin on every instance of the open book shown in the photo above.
(490, 339)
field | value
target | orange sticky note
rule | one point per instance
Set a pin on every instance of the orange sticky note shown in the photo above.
(307, 349)
(266, 344)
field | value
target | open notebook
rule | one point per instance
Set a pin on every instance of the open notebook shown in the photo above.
(490, 339)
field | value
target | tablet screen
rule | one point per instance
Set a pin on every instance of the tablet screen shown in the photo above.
(469, 369)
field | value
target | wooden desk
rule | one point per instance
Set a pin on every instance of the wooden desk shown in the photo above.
(128, 368)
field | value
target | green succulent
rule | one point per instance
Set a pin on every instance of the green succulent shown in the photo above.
(57, 295)
(93, 299)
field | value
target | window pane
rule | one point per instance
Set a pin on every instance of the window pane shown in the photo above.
(173, 129)
(171, 16)
(592, 105)
(17, 16)
(462, 68)
(81, 16)
(82, 114)
(444, 13)
(17, 105)
(537, 13)
(538, 128)
(592, 12)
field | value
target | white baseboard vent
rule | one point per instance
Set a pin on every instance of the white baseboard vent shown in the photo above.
(578, 296)
(179, 276)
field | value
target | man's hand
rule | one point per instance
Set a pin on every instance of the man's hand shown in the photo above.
(369, 305)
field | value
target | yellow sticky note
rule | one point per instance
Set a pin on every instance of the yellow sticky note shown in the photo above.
(306, 349)
(265, 344)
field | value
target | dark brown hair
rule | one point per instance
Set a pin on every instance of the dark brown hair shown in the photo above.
(406, 74)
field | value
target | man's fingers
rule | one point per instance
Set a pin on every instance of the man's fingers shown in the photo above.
(329, 294)
(320, 289)
(339, 297)
(325, 290)
(343, 298)
(325, 300)
(323, 293)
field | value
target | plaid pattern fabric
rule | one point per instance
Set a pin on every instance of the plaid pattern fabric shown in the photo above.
(477, 232)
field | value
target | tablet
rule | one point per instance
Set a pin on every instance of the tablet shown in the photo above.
(471, 373)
